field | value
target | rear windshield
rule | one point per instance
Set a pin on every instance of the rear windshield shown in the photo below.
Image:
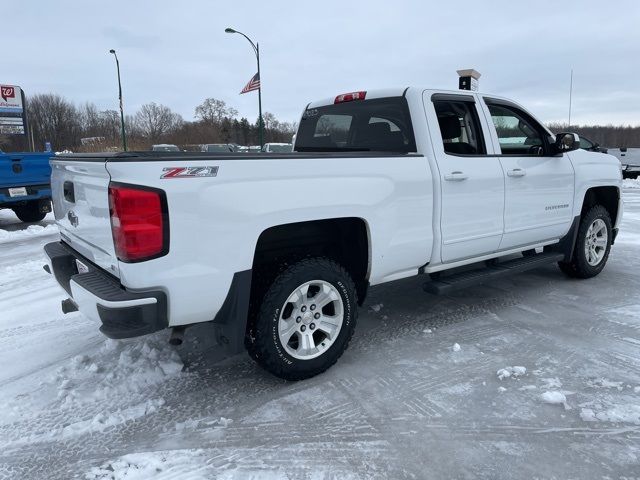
(382, 125)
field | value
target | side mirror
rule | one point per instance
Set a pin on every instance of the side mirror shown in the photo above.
(567, 142)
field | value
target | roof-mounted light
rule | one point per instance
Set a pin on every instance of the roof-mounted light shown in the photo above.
(350, 97)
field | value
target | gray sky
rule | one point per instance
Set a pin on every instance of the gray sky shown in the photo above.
(177, 54)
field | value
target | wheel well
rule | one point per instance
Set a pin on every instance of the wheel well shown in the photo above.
(345, 240)
(608, 197)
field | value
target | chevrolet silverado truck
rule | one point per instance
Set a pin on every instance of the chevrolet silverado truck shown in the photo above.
(24, 184)
(278, 250)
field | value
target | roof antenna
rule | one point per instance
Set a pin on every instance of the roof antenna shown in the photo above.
(570, 96)
(468, 79)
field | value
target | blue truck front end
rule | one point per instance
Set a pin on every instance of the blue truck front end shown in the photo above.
(25, 184)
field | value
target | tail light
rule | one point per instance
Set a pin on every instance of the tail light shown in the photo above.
(139, 222)
(350, 97)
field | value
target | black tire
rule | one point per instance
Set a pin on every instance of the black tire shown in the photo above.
(30, 212)
(579, 267)
(263, 342)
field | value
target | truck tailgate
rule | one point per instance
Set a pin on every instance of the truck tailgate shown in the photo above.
(21, 169)
(80, 193)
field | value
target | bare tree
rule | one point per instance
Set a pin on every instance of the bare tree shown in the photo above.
(54, 119)
(154, 121)
(213, 111)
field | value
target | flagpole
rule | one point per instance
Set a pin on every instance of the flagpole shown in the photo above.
(260, 122)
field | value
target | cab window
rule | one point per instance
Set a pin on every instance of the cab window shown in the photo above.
(382, 125)
(517, 132)
(459, 127)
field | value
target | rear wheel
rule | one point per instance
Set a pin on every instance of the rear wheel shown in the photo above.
(593, 244)
(30, 212)
(305, 320)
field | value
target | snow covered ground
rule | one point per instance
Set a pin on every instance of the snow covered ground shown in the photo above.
(537, 376)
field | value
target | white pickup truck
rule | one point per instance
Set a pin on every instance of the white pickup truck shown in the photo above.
(278, 250)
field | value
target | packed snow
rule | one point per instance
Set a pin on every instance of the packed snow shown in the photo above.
(534, 376)
(554, 398)
(511, 372)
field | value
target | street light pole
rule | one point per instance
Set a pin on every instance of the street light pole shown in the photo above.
(256, 50)
(124, 135)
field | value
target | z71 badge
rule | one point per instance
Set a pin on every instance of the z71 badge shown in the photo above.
(189, 172)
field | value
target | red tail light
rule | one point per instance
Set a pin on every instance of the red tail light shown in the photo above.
(139, 222)
(350, 97)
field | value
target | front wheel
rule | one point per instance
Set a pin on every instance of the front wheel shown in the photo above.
(305, 320)
(593, 244)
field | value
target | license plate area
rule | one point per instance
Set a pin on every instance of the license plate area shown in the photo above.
(18, 192)
(82, 268)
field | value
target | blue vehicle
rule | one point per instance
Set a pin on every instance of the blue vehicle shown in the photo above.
(25, 184)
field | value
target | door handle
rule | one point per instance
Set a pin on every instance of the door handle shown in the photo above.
(517, 172)
(456, 177)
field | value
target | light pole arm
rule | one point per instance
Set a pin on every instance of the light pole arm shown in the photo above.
(256, 50)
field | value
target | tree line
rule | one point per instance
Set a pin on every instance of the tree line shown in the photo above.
(610, 136)
(86, 128)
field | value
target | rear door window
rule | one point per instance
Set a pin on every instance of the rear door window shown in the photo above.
(460, 127)
(382, 125)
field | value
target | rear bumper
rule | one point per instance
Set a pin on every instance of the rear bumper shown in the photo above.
(99, 296)
(34, 192)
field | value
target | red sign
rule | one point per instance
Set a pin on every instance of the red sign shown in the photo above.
(7, 92)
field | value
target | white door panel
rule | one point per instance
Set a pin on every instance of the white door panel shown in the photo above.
(539, 201)
(472, 209)
(538, 187)
(472, 184)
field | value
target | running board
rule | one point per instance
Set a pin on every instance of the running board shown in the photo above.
(449, 283)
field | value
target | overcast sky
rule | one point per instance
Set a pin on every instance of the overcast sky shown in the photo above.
(176, 52)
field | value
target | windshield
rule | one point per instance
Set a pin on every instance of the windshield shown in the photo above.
(281, 148)
(382, 125)
(223, 147)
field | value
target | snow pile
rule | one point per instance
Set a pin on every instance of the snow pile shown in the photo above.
(114, 385)
(555, 397)
(629, 413)
(631, 183)
(129, 367)
(509, 372)
(31, 231)
(190, 464)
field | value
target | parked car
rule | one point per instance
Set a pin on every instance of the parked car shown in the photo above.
(630, 162)
(24, 184)
(590, 146)
(279, 252)
(165, 147)
(277, 148)
(218, 148)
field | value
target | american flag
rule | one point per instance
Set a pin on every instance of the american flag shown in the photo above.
(254, 84)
